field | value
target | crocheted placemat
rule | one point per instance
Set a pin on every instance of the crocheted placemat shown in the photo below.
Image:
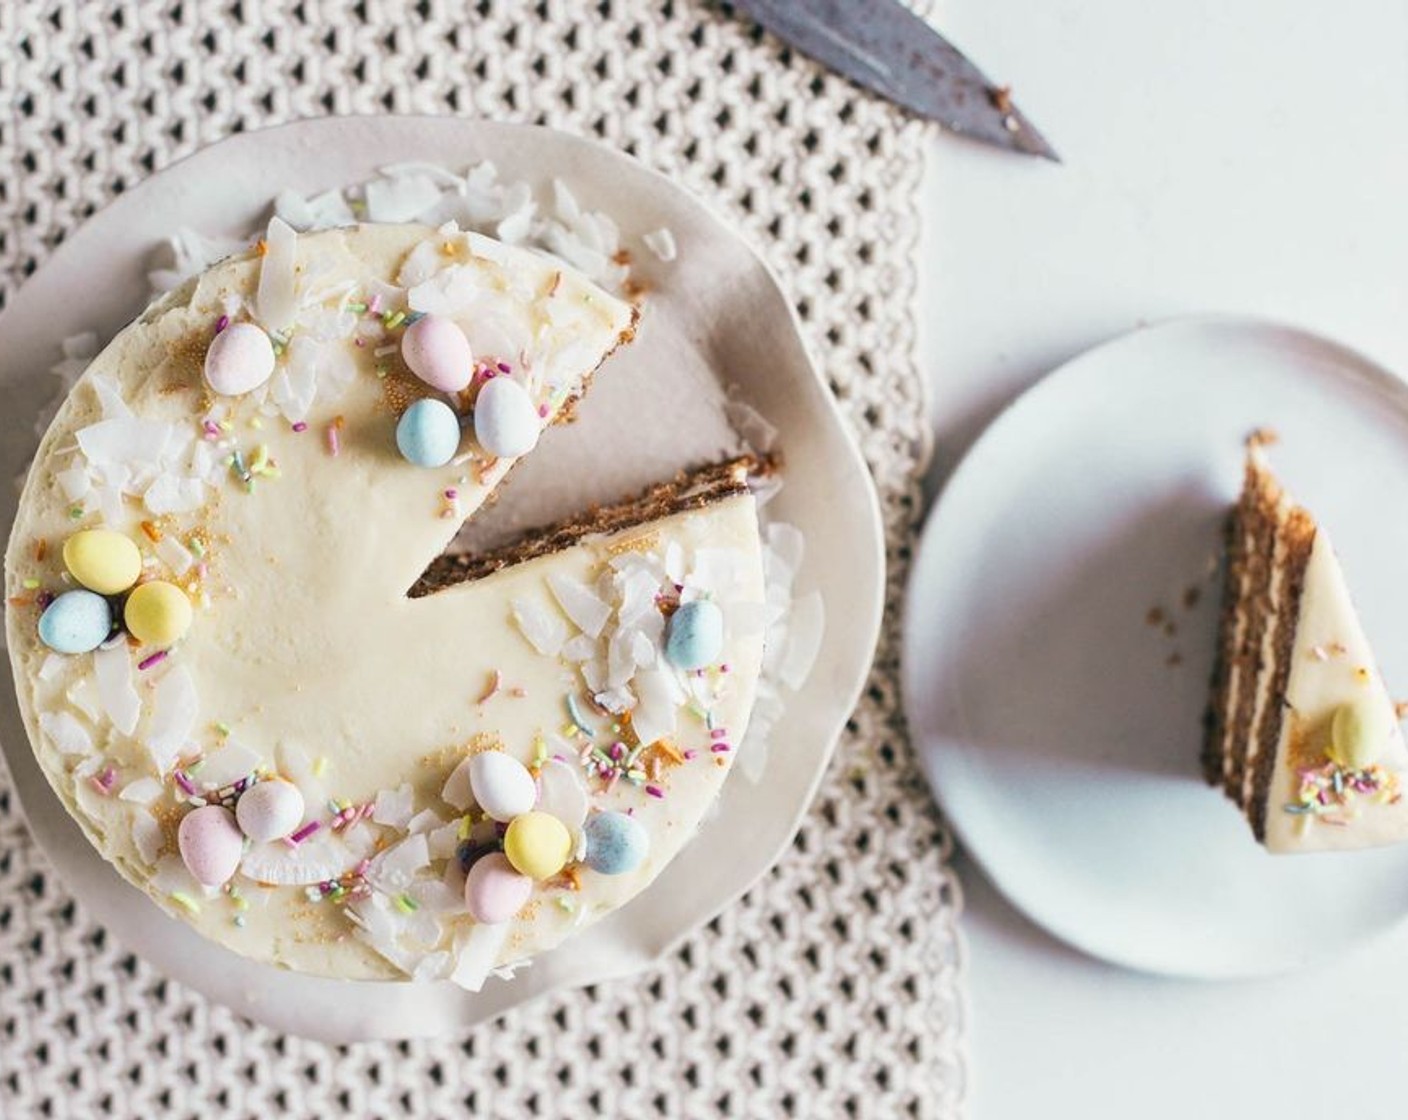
(832, 989)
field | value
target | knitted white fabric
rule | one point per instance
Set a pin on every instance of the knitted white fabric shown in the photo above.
(831, 990)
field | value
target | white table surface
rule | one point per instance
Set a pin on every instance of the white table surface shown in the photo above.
(1245, 157)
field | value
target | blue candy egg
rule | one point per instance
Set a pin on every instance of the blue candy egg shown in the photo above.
(75, 622)
(616, 843)
(696, 636)
(428, 433)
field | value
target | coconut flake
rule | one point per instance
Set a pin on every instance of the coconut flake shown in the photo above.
(83, 695)
(400, 198)
(276, 301)
(476, 952)
(617, 701)
(112, 668)
(580, 648)
(142, 791)
(74, 482)
(393, 870)
(229, 764)
(176, 556)
(580, 603)
(457, 791)
(805, 628)
(66, 733)
(394, 807)
(543, 629)
(175, 706)
(148, 837)
(656, 714)
(444, 841)
(51, 667)
(379, 925)
(322, 211)
(295, 385)
(424, 821)
(562, 793)
(170, 494)
(661, 242)
(128, 441)
(171, 877)
(109, 397)
(321, 857)
(187, 254)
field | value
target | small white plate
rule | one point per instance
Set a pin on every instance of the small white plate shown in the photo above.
(1059, 738)
(714, 318)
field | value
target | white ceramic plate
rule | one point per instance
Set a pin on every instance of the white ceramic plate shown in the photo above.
(1061, 742)
(715, 309)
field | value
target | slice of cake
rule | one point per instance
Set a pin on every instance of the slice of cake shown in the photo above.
(1301, 732)
(247, 676)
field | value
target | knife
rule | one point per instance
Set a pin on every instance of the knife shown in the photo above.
(884, 47)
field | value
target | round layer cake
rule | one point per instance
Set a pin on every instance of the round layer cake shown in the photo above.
(239, 680)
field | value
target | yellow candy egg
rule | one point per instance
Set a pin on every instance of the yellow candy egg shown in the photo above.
(537, 844)
(1354, 740)
(103, 561)
(157, 613)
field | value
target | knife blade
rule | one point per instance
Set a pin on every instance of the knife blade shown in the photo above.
(884, 47)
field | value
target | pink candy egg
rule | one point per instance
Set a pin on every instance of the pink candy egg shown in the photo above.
(211, 844)
(494, 891)
(269, 810)
(437, 352)
(240, 359)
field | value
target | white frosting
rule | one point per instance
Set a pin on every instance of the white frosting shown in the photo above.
(1332, 664)
(307, 659)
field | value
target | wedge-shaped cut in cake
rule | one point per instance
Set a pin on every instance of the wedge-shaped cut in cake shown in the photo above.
(1301, 731)
(268, 704)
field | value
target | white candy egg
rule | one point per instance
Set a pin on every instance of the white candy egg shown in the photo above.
(437, 352)
(210, 843)
(502, 786)
(269, 810)
(239, 360)
(506, 421)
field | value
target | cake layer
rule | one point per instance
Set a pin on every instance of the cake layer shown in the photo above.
(689, 490)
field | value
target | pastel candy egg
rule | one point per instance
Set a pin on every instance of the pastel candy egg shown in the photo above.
(501, 785)
(616, 843)
(506, 422)
(1354, 740)
(75, 622)
(103, 561)
(210, 843)
(437, 352)
(157, 613)
(494, 891)
(537, 844)
(696, 636)
(269, 810)
(428, 433)
(239, 360)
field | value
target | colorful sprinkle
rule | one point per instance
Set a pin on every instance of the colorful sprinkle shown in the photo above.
(303, 833)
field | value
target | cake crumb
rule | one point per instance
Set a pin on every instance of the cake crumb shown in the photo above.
(1400, 708)
(1174, 658)
(1192, 594)
(1155, 617)
(1263, 437)
(1170, 628)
